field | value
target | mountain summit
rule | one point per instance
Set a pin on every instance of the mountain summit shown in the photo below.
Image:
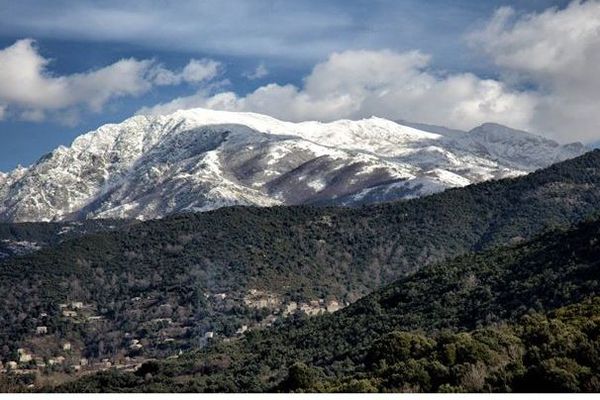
(196, 160)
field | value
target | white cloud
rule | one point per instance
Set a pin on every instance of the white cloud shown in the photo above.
(196, 71)
(269, 28)
(558, 51)
(28, 91)
(355, 84)
(548, 64)
(260, 72)
(25, 83)
(32, 115)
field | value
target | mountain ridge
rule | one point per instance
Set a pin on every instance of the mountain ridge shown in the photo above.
(195, 160)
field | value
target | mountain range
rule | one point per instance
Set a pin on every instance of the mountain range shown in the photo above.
(197, 160)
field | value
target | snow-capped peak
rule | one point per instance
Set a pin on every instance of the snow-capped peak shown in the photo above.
(199, 159)
(520, 147)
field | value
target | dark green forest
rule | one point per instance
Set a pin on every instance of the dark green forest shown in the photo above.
(518, 318)
(15, 238)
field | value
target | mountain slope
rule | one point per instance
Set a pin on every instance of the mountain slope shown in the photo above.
(184, 276)
(197, 160)
(24, 238)
(414, 334)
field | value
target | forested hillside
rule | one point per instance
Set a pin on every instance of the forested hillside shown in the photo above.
(155, 288)
(518, 318)
(24, 238)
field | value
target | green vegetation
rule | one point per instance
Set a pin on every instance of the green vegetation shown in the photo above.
(43, 234)
(494, 321)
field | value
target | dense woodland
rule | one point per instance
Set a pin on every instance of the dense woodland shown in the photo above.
(167, 283)
(23, 238)
(520, 318)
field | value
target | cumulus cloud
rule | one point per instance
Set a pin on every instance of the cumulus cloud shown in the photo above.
(558, 52)
(544, 63)
(356, 84)
(26, 85)
(260, 72)
(548, 83)
(28, 91)
(195, 71)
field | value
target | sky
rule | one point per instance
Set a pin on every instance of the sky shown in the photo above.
(67, 67)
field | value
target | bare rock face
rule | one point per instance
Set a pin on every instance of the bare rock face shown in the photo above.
(197, 160)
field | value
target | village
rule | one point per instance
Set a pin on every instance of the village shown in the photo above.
(46, 356)
(262, 299)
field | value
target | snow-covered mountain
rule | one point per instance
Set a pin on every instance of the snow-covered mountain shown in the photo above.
(197, 160)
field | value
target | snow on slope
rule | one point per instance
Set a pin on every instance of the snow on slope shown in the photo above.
(198, 160)
(519, 148)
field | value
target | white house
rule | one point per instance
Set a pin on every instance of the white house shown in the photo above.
(41, 330)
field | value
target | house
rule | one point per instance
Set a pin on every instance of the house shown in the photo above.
(76, 305)
(67, 346)
(135, 344)
(41, 330)
(209, 335)
(333, 306)
(290, 308)
(69, 313)
(11, 365)
(161, 320)
(312, 308)
(56, 360)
